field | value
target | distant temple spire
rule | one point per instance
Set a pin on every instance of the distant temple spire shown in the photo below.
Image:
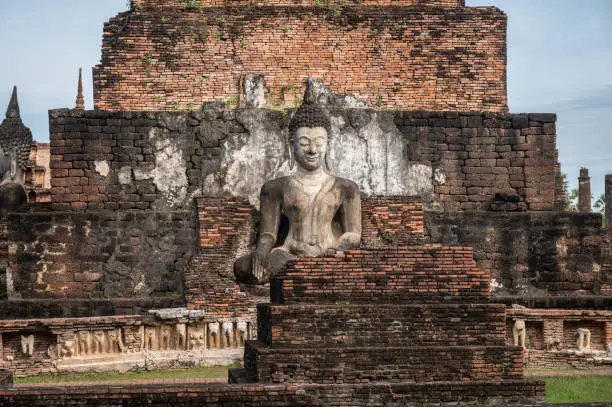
(80, 101)
(12, 112)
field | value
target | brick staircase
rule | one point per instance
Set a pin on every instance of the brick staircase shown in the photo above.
(407, 325)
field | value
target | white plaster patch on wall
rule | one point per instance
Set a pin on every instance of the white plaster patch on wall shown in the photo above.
(102, 167)
(372, 157)
(247, 161)
(495, 285)
(125, 175)
(439, 176)
(170, 172)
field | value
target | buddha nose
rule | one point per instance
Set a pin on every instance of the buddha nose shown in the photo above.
(312, 149)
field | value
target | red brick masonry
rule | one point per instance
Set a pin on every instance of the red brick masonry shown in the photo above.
(399, 56)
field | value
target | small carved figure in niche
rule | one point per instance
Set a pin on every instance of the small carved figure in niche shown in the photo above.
(553, 345)
(213, 335)
(84, 342)
(583, 341)
(227, 328)
(196, 337)
(149, 338)
(180, 338)
(98, 342)
(242, 332)
(165, 337)
(27, 345)
(310, 198)
(519, 333)
(67, 348)
(115, 341)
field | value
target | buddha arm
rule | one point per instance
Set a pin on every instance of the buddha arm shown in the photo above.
(350, 212)
(270, 208)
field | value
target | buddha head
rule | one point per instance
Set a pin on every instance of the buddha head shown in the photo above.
(309, 129)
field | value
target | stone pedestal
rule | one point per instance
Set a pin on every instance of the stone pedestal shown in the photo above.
(410, 322)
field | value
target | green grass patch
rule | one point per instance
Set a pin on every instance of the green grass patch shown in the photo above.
(193, 373)
(577, 389)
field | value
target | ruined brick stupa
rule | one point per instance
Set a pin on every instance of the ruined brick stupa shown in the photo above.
(156, 195)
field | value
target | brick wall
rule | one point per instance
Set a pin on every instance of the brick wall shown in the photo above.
(390, 364)
(388, 221)
(217, 3)
(480, 155)
(431, 58)
(226, 229)
(366, 275)
(274, 395)
(529, 253)
(24, 365)
(307, 326)
(597, 329)
(100, 254)
(116, 160)
(540, 359)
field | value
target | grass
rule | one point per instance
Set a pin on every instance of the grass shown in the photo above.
(198, 372)
(577, 389)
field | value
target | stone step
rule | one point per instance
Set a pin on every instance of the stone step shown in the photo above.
(499, 393)
(375, 364)
(308, 326)
(383, 275)
(238, 376)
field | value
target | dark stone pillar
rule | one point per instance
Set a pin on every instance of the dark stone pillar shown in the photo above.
(6, 378)
(609, 204)
(584, 191)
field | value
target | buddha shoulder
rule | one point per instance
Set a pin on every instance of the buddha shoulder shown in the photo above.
(274, 186)
(348, 188)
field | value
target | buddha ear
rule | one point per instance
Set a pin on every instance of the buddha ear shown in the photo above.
(327, 165)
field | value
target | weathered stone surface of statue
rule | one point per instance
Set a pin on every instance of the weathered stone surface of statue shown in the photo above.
(324, 211)
(15, 144)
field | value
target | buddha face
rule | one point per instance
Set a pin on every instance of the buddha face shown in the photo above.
(310, 146)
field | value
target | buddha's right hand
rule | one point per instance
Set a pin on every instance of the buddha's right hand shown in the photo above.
(258, 266)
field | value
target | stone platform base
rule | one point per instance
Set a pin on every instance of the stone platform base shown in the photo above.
(513, 392)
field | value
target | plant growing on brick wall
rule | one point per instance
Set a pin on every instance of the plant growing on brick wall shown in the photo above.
(148, 61)
(231, 101)
(133, 5)
(243, 44)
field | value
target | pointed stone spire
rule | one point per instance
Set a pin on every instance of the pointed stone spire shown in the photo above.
(80, 101)
(13, 108)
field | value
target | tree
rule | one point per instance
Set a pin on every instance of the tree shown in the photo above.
(600, 205)
(571, 195)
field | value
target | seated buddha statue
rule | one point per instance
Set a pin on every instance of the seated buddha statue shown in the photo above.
(324, 211)
(15, 144)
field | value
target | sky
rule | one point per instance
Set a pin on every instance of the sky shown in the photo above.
(559, 60)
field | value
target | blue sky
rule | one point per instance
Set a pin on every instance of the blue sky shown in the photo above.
(559, 60)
